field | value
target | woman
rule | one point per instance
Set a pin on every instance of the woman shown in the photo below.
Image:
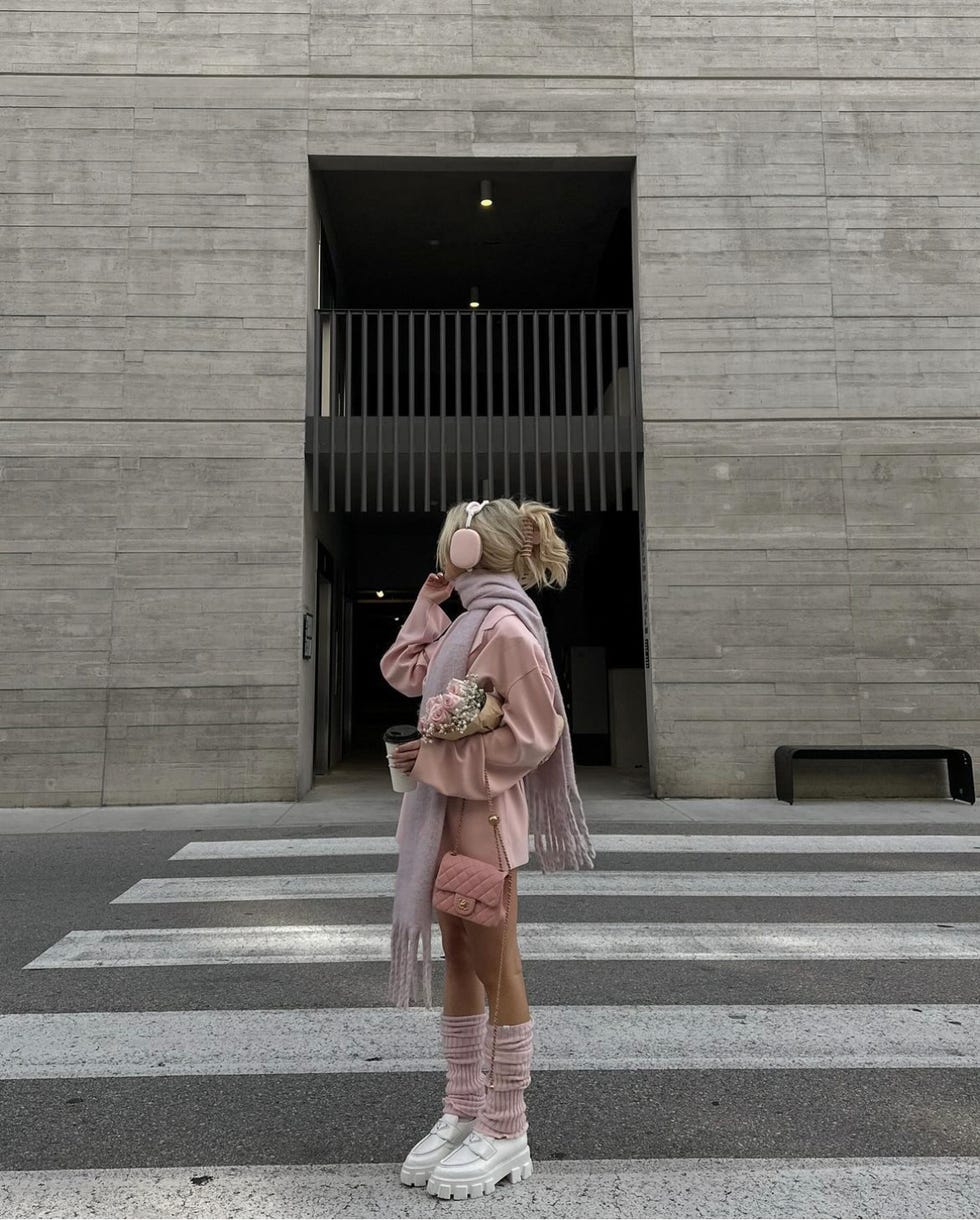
(525, 764)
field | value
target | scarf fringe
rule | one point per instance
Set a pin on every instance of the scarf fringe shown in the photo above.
(561, 845)
(410, 977)
(557, 819)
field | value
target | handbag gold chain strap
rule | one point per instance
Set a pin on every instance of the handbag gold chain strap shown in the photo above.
(502, 858)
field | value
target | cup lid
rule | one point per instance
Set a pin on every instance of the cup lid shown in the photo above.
(401, 732)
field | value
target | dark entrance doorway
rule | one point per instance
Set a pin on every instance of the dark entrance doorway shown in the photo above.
(469, 351)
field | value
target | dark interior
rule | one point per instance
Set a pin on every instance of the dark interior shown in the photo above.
(418, 239)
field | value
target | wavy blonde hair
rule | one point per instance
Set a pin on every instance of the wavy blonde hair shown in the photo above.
(501, 527)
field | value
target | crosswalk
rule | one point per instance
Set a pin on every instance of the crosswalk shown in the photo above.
(730, 1023)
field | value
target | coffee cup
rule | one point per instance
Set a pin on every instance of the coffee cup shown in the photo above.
(397, 735)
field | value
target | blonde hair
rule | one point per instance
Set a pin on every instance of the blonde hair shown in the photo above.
(519, 538)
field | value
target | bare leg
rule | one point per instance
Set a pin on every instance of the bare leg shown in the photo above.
(463, 993)
(484, 943)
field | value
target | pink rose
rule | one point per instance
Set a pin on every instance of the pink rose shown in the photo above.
(438, 715)
(451, 702)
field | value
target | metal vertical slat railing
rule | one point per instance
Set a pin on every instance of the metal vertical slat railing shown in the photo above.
(332, 407)
(364, 406)
(473, 407)
(529, 374)
(443, 373)
(489, 411)
(458, 334)
(381, 399)
(583, 377)
(505, 396)
(426, 406)
(614, 327)
(411, 412)
(395, 398)
(536, 349)
(598, 417)
(348, 339)
(522, 473)
(315, 407)
(569, 463)
(552, 447)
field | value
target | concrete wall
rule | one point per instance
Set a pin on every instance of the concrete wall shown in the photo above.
(808, 216)
(808, 264)
(152, 401)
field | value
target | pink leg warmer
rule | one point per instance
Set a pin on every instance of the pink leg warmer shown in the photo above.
(462, 1043)
(503, 1114)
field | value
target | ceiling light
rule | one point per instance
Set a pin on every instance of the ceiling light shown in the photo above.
(474, 298)
(379, 593)
(486, 194)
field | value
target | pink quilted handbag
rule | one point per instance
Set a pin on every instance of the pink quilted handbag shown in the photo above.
(471, 888)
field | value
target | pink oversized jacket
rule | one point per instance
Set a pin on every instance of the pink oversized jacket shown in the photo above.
(506, 651)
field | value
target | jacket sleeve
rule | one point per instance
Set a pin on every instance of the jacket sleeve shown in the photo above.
(529, 732)
(405, 662)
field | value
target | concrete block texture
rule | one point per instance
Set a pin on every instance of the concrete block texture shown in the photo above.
(808, 309)
(807, 207)
(827, 40)
(802, 596)
(152, 407)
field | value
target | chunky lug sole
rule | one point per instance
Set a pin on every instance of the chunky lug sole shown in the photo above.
(415, 1177)
(517, 1172)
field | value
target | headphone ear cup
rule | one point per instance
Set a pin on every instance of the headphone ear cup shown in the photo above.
(465, 549)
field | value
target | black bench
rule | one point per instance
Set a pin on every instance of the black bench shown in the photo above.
(959, 765)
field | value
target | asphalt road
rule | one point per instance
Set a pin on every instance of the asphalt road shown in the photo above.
(787, 1068)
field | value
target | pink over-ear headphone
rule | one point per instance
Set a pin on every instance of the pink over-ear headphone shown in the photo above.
(466, 545)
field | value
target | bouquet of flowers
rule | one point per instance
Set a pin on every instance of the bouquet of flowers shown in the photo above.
(466, 706)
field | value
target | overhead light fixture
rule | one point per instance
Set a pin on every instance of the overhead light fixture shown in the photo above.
(486, 194)
(379, 593)
(474, 298)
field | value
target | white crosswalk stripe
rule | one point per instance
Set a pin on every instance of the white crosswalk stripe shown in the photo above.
(168, 926)
(309, 943)
(920, 1188)
(277, 888)
(250, 849)
(567, 1038)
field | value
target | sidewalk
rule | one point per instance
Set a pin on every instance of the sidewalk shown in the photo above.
(356, 794)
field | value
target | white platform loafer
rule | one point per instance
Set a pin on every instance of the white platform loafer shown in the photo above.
(447, 1133)
(478, 1164)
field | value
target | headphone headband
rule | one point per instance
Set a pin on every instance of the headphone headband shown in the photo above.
(472, 509)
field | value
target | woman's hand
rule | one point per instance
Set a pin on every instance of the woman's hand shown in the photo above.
(403, 757)
(437, 588)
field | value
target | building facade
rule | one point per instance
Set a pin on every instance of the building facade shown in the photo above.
(804, 203)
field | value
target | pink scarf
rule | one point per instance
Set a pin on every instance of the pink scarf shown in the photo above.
(557, 820)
